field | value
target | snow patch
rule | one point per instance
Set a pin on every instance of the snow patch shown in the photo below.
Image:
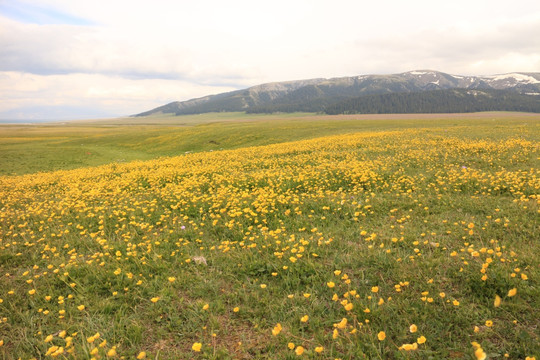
(435, 82)
(532, 94)
(517, 77)
(417, 72)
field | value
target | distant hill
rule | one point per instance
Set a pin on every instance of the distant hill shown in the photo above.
(330, 95)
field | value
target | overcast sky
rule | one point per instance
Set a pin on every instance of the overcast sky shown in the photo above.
(72, 59)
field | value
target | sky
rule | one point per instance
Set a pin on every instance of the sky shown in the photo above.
(79, 59)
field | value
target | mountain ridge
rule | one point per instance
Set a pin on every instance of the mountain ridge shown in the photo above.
(315, 95)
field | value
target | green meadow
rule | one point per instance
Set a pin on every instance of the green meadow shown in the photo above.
(44, 147)
(287, 236)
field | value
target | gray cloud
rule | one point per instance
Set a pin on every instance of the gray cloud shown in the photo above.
(67, 49)
(452, 49)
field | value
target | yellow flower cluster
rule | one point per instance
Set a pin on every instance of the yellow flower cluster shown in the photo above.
(116, 222)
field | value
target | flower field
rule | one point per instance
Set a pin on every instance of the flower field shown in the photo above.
(410, 244)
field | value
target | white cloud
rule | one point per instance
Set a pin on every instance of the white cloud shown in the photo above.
(153, 52)
(93, 94)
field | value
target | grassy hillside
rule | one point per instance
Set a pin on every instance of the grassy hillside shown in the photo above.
(401, 241)
(46, 147)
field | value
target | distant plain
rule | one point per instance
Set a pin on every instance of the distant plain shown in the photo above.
(68, 145)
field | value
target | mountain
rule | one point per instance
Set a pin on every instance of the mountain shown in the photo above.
(438, 101)
(316, 95)
(239, 100)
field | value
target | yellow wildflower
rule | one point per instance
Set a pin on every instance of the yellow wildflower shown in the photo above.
(51, 350)
(342, 324)
(111, 352)
(277, 329)
(409, 347)
(480, 354)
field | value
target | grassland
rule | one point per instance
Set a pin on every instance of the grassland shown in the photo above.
(371, 238)
(44, 147)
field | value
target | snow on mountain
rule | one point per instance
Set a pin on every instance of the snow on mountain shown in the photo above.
(517, 77)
